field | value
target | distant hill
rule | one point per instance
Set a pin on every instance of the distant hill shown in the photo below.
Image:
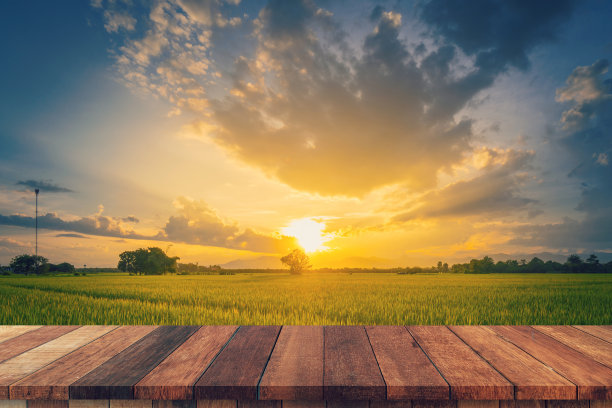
(263, 262)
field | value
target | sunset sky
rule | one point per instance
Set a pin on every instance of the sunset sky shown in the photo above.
(369, 133)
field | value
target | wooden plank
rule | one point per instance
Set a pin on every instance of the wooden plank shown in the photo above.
(390, 404)
(594, 380)
(532, 380)
(115, 378)
(567, 404)
(259, 404)
(8, 332)
(12, 404)
(130, 404)
(407, 371)
(237, 370)
(603, 332)
(522, 404)
(434, 404)
(216, 404)
(593, 347)
(469, 376)
(295, 369)
(174, 404)
(48, 404)
(173, 378)
(26, 363)
(27, 341)
(88, 403)
(477, 404)
(304, 404)
(351, 370)
(52, 382)
(347, 404)
(600, 404)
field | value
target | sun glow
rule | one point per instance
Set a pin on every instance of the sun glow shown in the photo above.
(309, 234)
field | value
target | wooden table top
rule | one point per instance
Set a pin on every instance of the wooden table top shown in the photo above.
(306, 362)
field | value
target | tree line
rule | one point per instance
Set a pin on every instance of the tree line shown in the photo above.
(35, 265)
(573, 264)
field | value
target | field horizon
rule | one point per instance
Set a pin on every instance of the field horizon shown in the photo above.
(309, 299)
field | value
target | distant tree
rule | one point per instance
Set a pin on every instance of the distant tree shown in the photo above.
(150, 261)
(63, 267)
(27, 264)
(574, 264)
(297, 261)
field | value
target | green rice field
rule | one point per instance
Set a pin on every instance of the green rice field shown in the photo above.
(314, 298)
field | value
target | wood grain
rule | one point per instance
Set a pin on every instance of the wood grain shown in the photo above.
(32, 360)
(115, 378)
(347, 404)
(48, 404)
(174, 404)
(130, 404)
(593, 379)
(88, 403)
(597, 349)
(434, 404)
(259, 404)
(52, 382)
(27, 341)
(522, 404)
(390, 404)
(407, 371)
(351, 370)
(603, 332)
(8, 332)
(478, 404)
(532, 380)
(295, 369)
(237, 370)
(173, 378)
(469, 376)
(303, 404)
(567, 404)
(216, 404)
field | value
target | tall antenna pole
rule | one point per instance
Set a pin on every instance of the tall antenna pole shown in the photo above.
(36, 250)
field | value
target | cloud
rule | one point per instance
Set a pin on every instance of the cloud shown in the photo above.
(116, 21)
(69, 235)
(197, 223)
(494, 193)
(587, 136)
(327, 115)
(43, 185)
(99, 225)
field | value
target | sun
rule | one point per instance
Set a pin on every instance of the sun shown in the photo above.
(309, 234)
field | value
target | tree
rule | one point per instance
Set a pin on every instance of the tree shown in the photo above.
(574, 264)
(27, 264)
(150, 261)
(297, 261)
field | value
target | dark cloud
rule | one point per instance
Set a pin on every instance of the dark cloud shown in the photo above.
(131, 219)
(69, 235)
(43, 185)
(587, 136)
(494, 193)
(93, 225)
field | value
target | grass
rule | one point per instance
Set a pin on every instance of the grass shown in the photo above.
(334, 298)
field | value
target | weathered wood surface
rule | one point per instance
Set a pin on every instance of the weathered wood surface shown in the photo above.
(116, 377)
(469, 376)
(173, 378)
(407, 371)
(236, 371)
(8, 332)
(351, 370)
(17, 345)
(532, 380)
(307, 366)
(596, 348)
(594, 380)
(29, 362)
(52, 381)
(603, 332)
(295, 369)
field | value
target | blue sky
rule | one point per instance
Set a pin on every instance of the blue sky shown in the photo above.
(407, 131)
